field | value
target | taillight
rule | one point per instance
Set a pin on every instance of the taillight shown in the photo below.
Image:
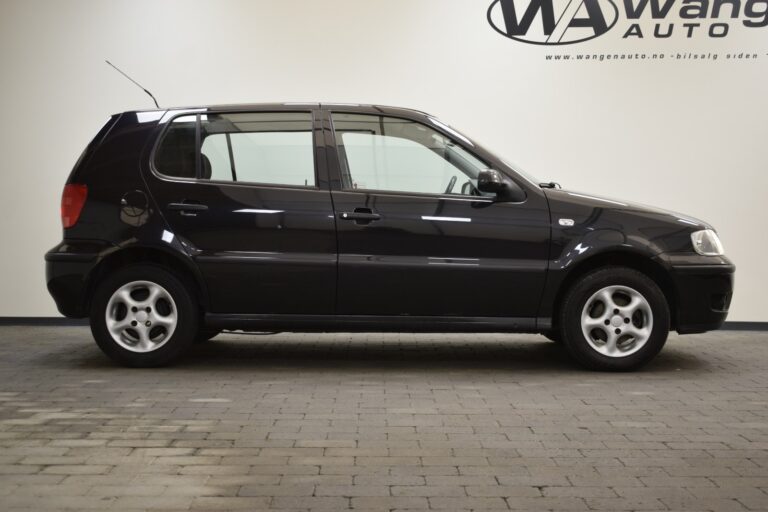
(72, 201)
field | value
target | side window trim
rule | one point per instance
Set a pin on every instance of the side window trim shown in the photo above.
(167, 122)
(198, 153)
(231, 157)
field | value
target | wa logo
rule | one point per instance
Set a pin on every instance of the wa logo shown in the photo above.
(552, 21)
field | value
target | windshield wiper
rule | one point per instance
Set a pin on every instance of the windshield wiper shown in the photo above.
(550, 184)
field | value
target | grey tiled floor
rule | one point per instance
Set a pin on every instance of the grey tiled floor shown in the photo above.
(381, 422)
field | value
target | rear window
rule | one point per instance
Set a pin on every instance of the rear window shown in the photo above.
(260, 147)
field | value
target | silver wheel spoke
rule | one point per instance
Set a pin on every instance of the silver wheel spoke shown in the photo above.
(144, 341)
(118, 325)
(607, 297)
(125, 296)
(637, 333)
(635, 303)
(165, 321)
(595, 322)
(154, 293)
(610, 344)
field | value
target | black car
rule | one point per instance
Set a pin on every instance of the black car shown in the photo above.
(181, 223)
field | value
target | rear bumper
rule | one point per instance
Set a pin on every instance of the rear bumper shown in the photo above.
(67, 268)
(703, 288)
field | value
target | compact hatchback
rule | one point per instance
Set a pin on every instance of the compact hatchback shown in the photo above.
(181, 223)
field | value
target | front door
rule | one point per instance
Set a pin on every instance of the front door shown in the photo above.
(242, 192)
(416, 237)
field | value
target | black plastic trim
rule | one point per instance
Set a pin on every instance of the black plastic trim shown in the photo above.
(369, 323)
(42, 321)
(704, 269)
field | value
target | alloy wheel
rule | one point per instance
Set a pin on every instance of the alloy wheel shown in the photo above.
(617, 321)
(141, 316)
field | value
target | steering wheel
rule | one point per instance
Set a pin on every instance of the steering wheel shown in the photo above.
(451, 183)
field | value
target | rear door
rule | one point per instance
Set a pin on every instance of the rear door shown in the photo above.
(243, 192)
(415, 236)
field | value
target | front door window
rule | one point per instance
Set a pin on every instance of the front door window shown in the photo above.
(398, 155)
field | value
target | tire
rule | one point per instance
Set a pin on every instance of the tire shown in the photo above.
(597, 336)
(553, 336)
(128, 302)
(204, 334)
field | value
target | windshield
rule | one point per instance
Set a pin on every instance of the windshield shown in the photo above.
(533, 179)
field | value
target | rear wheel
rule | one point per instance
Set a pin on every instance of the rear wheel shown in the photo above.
(614, 318)
(143, 315)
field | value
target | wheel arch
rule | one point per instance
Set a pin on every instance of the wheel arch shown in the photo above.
(619, 258)
(119, 258)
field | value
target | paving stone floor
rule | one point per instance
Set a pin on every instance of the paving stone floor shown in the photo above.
(381, 422)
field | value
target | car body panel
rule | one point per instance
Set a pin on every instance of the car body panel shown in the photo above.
(441, 256)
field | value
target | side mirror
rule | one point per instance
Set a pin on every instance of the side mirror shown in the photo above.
(490, 181)
(494, 182)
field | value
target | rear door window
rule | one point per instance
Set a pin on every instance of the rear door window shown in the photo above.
(273, 148)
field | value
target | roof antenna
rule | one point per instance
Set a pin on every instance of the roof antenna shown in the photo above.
(134, 81)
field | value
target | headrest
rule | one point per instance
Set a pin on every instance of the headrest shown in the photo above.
(205, 167)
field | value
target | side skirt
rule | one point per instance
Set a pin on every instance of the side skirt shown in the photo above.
(368, 323)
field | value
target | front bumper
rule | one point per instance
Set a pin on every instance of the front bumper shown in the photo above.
(703, 290)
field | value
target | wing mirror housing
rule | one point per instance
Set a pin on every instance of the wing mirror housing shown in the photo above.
(492, 181)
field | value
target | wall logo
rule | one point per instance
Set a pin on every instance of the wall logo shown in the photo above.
(552, 22)
(558, 22)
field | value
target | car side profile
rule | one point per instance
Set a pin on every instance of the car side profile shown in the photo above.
(181, 223)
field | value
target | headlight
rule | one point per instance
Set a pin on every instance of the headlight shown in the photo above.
(707, 243)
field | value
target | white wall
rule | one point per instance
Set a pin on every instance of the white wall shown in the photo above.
(688, 136)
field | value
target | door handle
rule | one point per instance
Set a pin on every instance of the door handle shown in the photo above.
(360, 215)
(187, 209)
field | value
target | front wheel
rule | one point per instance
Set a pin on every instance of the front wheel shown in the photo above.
(614, 319)
(143, 316)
